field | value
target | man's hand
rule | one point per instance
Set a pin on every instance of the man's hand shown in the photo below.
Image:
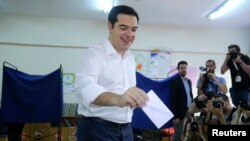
(202, 97)
(238, 60)
(211, 76)
(133, 97)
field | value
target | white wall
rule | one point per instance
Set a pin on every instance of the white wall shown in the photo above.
(38, 45)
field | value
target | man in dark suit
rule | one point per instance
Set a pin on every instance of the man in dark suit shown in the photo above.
(181, 98)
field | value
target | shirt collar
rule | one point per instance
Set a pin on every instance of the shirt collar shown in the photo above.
(183, 78)
(109, 49)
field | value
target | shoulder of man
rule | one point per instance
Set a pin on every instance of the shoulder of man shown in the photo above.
(245, 57)
(220, 78)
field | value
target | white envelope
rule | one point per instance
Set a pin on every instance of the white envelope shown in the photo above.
(156, 110)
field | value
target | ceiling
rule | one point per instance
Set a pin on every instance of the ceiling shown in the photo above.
(167, 12)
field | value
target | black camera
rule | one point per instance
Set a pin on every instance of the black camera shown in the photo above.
(245, 105)
(209, 95)
(200, 103)
(194, 126)
(233, 55)
(204, 71)
(218, 104)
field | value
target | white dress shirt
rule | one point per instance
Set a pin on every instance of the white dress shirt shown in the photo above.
(188, 91)
(102, 69)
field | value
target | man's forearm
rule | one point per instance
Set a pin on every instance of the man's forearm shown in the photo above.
(224, 67)
(107, 99)
(222, 87)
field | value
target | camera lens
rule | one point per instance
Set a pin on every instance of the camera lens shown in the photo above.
(218, 104)
(194, 126)
(200, 103)
(233, 55)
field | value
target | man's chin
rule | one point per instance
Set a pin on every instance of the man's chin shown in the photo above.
(126, 47)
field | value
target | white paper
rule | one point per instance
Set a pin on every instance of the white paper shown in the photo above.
(156, 110)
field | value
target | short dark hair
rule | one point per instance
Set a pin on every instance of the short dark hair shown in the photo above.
(224, 97)
(234, 46)
(210, 60)
(180, 63)
(121, 9)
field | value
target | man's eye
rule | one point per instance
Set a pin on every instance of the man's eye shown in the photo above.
(123, 28)
(134, 29)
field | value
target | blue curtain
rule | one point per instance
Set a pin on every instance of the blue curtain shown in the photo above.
(31, 98)
(140, 120)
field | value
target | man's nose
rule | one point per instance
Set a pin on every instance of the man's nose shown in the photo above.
(129, 32)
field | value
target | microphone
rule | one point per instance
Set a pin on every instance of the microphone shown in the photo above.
(201, 68)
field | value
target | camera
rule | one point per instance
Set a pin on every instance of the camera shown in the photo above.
(200, 103)
(203, 103)
(245, 105)
(218, 104)
(204, 71)
(233, 55)
(209, 95)
(194, 126)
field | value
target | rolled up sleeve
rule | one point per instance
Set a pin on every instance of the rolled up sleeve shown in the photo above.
(87, 88)
(87, 91)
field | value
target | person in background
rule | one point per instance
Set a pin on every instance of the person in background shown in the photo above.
(223, 112)
(106, 80)
(209, 83)
(243, 114)
(239, 66)
(181, 98)
(193, 131)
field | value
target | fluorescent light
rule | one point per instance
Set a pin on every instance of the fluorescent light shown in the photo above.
(224, 8)
(106, 5)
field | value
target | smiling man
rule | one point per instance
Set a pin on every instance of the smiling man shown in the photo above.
(105, 85)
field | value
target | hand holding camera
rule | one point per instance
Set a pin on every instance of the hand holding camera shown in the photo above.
(233, 55)
(211, 76)
(218, 104)
(218, 108)
(194, 126)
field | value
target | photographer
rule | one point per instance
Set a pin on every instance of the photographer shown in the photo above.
(209, 84)
(222, 109)
(216, 110)
(243, 114)
(239, 66)
(193, 131)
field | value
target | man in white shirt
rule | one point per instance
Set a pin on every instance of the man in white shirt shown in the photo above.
(106, 81)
